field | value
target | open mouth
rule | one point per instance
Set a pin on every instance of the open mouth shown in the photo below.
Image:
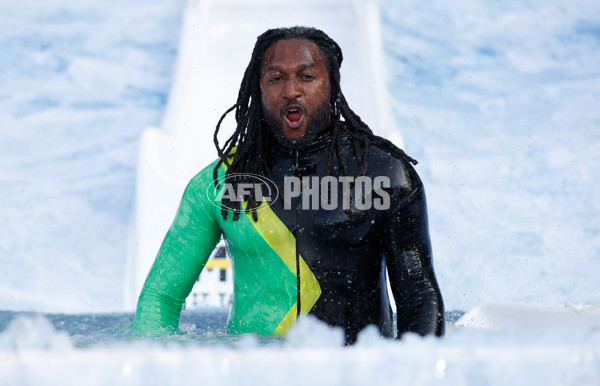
(294, 116)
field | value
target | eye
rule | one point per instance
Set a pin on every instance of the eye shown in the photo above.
(307, 77)
(274, 79)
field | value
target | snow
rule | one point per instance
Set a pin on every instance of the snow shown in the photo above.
(311, 353)
(497, 100)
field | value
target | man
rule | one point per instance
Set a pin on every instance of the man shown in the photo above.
(312, 205)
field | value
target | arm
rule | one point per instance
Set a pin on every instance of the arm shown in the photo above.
(418, 299)
(181, 258)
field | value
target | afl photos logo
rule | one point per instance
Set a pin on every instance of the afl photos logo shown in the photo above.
(315, 193)
(238, 187)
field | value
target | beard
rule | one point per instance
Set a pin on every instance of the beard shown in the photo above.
(315, 123)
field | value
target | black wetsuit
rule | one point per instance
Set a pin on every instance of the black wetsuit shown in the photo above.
(329, 262)
(348, 250)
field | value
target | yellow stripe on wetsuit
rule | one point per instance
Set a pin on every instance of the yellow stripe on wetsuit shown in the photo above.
(283, 242)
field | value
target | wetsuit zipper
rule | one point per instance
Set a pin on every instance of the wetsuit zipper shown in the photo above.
(298, 295)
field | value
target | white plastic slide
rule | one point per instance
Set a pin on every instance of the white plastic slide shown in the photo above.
(216, 44)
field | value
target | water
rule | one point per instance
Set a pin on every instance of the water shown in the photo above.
(93, 330)
(61, 349)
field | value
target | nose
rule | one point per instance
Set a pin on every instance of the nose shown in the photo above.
(291, 89)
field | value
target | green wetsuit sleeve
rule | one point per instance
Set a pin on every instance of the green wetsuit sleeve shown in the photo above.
(182, 256)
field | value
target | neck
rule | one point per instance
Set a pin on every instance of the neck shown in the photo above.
(311, 143)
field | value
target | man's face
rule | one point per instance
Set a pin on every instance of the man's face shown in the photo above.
(295, 89)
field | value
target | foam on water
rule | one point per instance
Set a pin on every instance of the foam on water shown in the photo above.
(34, 352)
(33, 332)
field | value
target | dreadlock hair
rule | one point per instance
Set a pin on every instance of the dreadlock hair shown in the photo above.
(245, 151)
